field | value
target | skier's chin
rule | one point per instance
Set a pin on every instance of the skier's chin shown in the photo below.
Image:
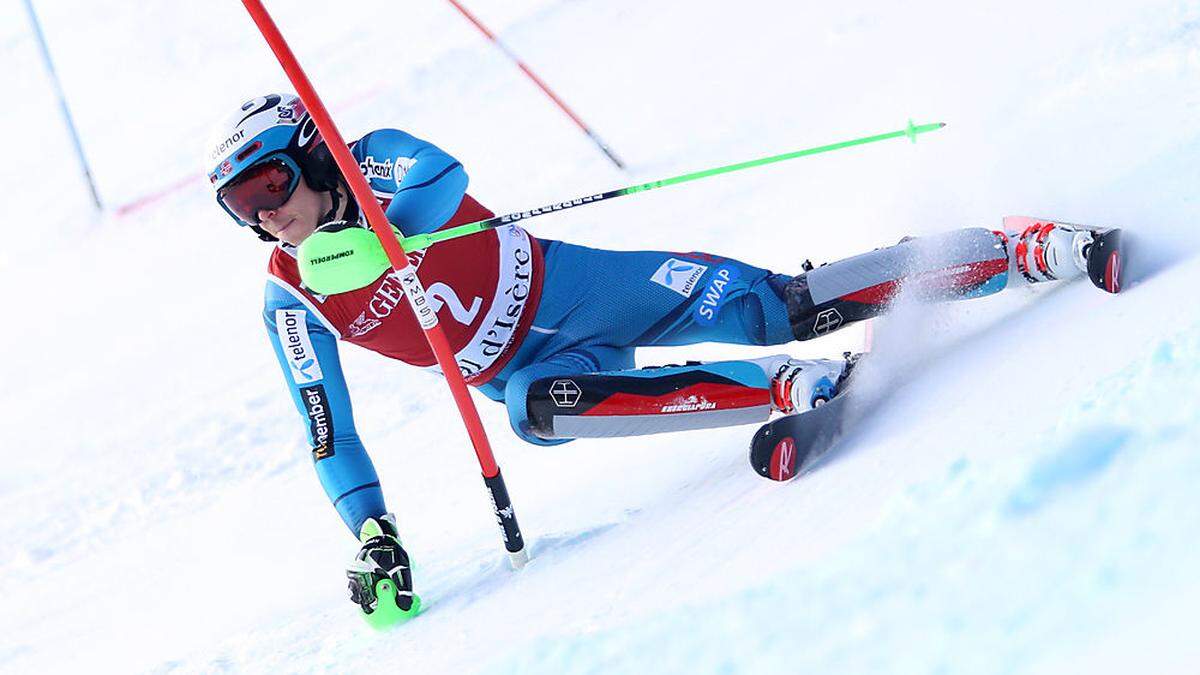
(294, 240)
(295, 233)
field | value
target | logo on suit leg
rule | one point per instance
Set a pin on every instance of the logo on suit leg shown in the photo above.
(827, 321)
(679, 275)
(565, 393)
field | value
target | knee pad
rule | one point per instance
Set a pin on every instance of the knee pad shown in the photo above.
(516, 391)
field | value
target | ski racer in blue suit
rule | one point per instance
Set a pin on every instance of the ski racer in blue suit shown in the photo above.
(546, 327)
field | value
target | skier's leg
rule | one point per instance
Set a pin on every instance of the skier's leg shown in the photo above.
(957, 265)
(733, 303)
(653, 298)
(550, 402)
(647, 298)
(641, 298)
(567, 365)
(967, 263)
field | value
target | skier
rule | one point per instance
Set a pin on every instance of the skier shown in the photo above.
(550, 328)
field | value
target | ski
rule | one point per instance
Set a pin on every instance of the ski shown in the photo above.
(788, 446)
(783, 448)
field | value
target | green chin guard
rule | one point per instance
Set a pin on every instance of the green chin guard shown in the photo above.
(340, 257)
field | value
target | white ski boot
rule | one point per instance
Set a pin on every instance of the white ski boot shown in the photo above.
(803, 384)
(1047, 250)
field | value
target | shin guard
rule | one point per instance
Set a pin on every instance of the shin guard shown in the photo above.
(649, 400)
(951, 266)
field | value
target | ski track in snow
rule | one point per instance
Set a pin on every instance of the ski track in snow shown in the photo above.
(1024, 503)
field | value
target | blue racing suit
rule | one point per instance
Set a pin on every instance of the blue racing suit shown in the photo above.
(596, 307)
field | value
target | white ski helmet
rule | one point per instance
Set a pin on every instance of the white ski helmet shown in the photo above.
(275, 127)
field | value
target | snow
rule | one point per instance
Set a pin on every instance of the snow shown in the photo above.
(1023, 503)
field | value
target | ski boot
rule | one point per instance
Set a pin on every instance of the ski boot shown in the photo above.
(798, 385)
(380, 578)
(1046, 250)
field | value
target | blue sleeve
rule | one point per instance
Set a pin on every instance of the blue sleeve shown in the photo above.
(307, 352)
(427, 184)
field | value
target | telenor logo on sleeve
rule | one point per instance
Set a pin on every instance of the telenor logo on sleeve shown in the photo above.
(680, 276)
(293, 334)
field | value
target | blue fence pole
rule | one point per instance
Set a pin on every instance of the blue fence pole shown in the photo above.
(62, 102)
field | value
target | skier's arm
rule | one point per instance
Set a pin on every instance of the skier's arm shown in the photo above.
(429, 184)
(307, 351)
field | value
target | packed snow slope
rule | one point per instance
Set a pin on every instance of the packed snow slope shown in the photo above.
(1024, 502)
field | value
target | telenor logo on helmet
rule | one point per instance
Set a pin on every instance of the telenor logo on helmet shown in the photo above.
(227, 144)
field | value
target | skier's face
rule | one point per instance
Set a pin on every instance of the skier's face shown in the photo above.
(297, 218)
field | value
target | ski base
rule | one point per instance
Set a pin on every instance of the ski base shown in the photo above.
(1105, 261)
(784, 448)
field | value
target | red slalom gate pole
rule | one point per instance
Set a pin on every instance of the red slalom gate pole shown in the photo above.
(407, 274)
(541, 85)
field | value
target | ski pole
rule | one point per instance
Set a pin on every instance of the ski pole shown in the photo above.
(541, 85)
(422, 241)
(407, 274)
(62, 103)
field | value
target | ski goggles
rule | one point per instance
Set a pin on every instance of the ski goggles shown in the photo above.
(264, 186)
